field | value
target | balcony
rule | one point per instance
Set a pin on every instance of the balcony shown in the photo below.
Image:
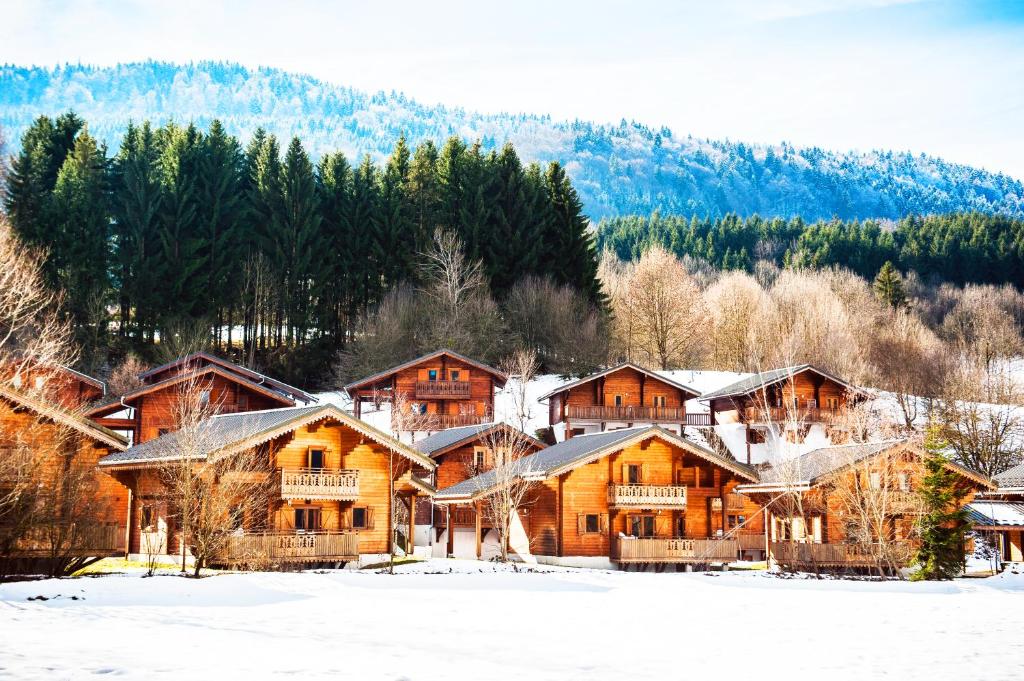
(294, 547)
(811, 555)
(791, 414)
(442, 390)
(319, 483)
(647, 496)
(435, 422)
(671, 550)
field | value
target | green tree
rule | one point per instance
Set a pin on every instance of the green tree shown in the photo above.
(570, 239)
(944, 524)
(889, 286)
(392, 224)
(297, 246)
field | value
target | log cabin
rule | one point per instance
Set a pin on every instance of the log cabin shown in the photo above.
(147, 412)
(62, 385)
(88, 522)
(435, 392)
(632, 497)
(623, 396)
(460, 454)
(849, 507)
(330, 476)
(802, 406)
(999, 515)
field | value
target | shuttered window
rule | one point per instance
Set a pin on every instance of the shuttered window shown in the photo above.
(307, 519)
(592, 523)
(362, 518)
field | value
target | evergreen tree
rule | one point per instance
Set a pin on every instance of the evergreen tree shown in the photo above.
(334, 183)
(365, 248)
(889, 286)
(570, 238)
(425, 194)
(393, 233)
(944, 524)
(298, 247)
(514, 236)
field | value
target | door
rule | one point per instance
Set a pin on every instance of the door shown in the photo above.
(152, 529)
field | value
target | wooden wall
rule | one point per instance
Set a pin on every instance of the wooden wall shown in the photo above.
(481, 386)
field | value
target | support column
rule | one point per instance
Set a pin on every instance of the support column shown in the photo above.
(410, 540)
(479, 539)
(450, 549)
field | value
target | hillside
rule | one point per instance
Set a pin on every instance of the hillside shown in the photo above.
(618, 169)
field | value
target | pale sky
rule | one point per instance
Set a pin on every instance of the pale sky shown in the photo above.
(945, 77)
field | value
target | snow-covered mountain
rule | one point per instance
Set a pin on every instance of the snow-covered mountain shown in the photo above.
(619, 169)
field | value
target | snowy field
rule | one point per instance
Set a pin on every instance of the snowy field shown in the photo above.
(475, 623)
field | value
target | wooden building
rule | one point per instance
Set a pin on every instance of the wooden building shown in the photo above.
(624, 396)
(799, 405)
(61, 385)
(434, 392)
(76, 511)
(848, 507)
(147, 412)
(1000, 515)
(633, 496)
(330, 476)
(460, 454)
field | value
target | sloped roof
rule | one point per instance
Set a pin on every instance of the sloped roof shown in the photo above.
(445, 440)
(810, 468)
(255, 376)
(226, 434)
(86, 378)
(992, 515)
(60, 415)
(116, 403)
(373, 378)
(763, 379)
(611, 370)
(581, 449)
(1010, 478)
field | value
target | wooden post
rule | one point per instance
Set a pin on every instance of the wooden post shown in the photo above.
(450, 550)
(410, 540)
(479, 539)
(128, 525)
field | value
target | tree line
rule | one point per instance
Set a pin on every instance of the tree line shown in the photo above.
(184, 233)
(959, 248)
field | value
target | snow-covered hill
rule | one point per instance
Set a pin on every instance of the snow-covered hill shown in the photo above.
(619, 169)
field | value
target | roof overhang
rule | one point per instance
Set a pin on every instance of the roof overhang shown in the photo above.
(380, 375)
(611, 370)
(59, 415)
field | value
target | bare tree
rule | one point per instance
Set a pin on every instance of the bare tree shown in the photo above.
(4, 166)
(910, 362)
(213, 497)
(125, 376)
(504, 485)
(521, 368)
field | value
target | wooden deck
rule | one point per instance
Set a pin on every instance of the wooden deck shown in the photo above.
(278, 547)
(809, 555)
(669, 550)
(635, 414)
(434, 422)
(441, 390)
(319, 483)
(647, 496)
(799, 415)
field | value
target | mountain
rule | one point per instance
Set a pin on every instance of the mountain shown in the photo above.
(619, 169)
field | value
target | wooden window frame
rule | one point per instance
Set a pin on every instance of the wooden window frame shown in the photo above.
(643, 519)
(598, 527)
(367, 518)
(306, 510)
(618, 400)
(454, 374)
(432, 374)
(323, 457)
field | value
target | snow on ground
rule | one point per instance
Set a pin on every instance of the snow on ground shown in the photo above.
(476, 623)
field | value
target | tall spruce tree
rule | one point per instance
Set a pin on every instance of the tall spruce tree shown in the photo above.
(889, 286)
(944, 525)
(334, 182)
(570, 237)
(513, 238)
(393, 232)
(365, 248)
(425, 194)
(297, 246)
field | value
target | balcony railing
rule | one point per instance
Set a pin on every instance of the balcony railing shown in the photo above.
(319, 483)
(72, 540)
(795, 414)
(434, 422)
(452, 390)
(462, 516)
(625, 413)
(798, 554)
(665, 550)
(276, 547)
(647, 496)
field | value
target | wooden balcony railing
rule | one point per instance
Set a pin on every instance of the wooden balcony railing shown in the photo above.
(73, 540)
(699, 420)
(462, 516)
(647, 496)
(750, 540)
(625, 413)
(452, 390)
(434, 422)
(274, 547)
(666, 550)
(319, 483)
(795, 414)
(836, 555)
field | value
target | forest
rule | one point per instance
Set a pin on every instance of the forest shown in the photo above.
(959, 248)
(185, 236)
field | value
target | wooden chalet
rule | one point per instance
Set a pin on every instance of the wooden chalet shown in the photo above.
(460, 454)
(437, 391)
(1000, 514)
(624, 396)
(801, 404)
(637, 496)
(62, 443)
(148, 411)
(848, 507)
(62, 385)
(330, 476)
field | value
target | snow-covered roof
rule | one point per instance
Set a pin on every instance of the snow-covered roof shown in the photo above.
(1011, 478)
(993, 515)
(765, 378)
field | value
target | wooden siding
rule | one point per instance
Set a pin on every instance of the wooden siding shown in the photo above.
(638, 393)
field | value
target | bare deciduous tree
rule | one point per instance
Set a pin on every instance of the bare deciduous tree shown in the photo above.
(125, 376)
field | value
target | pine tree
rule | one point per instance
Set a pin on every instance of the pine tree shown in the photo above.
(889, 286)
(944, 524)
(334, 183)
(424, 194)
(570, 238)
(365, 249)
(392, 225)
(297, 246)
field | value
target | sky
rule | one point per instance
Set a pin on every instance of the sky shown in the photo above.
(944, 77)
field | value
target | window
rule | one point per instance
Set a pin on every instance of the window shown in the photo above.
(316, 458)
(147, 516)
(204, 397)
(658, 400)
(641, 525)
(633, 474)
(307, 519)
(875, 480)
(455, 374)
(732, 522)
(362, 518)
(832, 403)
(618, 400)
(904, 480)
(479, 459)
(432, 375)
(592, 523)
